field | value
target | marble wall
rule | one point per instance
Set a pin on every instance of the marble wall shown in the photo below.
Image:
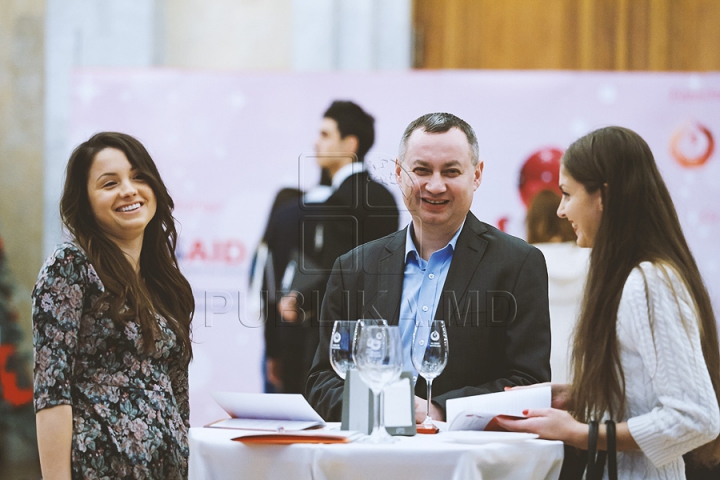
(22, 53)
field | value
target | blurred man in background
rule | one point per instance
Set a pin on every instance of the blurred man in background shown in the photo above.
(305, 237)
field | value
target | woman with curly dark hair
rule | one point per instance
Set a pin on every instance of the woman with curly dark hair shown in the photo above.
(111, 320)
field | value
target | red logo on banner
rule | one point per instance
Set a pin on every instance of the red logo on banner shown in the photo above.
(692, 145)
(231, 252)
(541, 171)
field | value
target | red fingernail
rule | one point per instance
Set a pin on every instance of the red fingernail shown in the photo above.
(525, 412)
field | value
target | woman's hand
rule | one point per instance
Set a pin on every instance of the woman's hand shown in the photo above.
(560, 393)
(550, 424)
(287, 307)
(273, 372)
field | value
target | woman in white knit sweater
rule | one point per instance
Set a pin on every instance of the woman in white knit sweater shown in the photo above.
(645, 350)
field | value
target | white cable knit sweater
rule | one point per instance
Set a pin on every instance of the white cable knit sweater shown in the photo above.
(671, 406)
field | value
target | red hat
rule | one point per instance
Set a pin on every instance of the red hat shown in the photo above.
(541, 171)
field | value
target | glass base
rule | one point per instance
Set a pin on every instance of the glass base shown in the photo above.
(378, 436)
(427, 426)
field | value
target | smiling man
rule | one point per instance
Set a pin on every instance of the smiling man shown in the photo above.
(489, 287)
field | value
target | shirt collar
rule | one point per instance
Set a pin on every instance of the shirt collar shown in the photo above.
(350, 169)
(410, 244)
(318, 194)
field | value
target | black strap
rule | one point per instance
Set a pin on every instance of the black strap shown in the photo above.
(592, 442)
(596, 461)
(611, 449)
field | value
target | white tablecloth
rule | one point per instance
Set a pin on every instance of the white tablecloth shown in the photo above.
(213, 456)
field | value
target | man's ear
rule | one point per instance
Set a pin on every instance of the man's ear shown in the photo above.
(477, 174)
(351, 143)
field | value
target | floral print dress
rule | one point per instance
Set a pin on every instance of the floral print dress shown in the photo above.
(130, 410)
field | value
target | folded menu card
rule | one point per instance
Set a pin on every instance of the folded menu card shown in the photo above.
(312, 436)
(479, 411)
(276, 412)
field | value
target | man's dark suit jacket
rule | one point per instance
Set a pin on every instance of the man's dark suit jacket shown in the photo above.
(314, 235)
(491, 344)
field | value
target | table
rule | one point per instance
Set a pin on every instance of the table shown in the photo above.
(213, 456)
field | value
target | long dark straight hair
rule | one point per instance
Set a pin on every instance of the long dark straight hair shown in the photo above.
(161, 287)
(638, 223)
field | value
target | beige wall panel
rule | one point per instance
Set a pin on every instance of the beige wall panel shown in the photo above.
(228, 34)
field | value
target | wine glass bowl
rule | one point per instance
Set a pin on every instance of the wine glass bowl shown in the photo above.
(341, 346)
(429, 354)
(381, 322)
(379, 361)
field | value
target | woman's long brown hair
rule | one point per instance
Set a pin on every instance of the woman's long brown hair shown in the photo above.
(161, 287)
(639, 223)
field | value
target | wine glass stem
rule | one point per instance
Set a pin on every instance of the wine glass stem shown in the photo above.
(381, 414)
(378, 412)
(429, 399)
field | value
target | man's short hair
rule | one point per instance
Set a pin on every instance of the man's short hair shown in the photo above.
(351, 119)
(441, 123)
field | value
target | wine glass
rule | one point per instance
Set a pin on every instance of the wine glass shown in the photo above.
(358, 330)
(379, 361)
(429, 355)
(341, 346)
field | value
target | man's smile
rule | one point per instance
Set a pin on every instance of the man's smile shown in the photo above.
(435, 202)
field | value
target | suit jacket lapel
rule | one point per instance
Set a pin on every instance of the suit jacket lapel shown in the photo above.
(469, 250)
(391, 268)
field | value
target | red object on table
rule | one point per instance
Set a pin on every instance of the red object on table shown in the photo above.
(424, 429)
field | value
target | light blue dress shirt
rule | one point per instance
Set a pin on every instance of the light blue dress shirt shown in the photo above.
(422, 286)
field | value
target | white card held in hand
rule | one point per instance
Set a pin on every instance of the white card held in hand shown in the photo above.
(474, 413)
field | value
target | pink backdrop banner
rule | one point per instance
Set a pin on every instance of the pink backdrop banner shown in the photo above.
(225, 142)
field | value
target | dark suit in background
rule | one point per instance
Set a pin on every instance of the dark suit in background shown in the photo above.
(264, 269)
(310, 237)
(488, 349)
